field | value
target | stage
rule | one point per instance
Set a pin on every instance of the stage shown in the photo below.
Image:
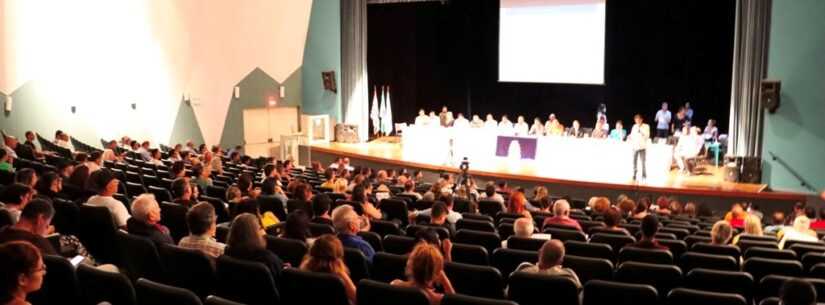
(710, 186)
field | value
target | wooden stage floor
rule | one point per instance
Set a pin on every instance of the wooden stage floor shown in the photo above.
(710, 182)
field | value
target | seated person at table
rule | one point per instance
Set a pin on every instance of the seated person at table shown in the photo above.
(505, 126)
(688, 146)
(551, 256)
(618, 133)
(575, 130)
(433, 120)
(711, 133)
(461, 122)
(553, 127)
(520, 128)
(476, 122)
(490, 122)
(561, 210)
(599, 132)
(650, 225)
(537, 129)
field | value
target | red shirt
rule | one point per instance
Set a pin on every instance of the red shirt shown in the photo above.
(563, 221)
(819, 224)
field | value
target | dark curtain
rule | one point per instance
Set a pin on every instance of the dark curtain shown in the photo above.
(435, 54)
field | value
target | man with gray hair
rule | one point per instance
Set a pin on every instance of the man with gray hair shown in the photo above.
(523, 228)
(561, 210)
(145, 220)
(551, 255)
(347, 223)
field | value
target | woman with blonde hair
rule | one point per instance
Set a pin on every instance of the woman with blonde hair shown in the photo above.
(339, 186)
(425, 269)
(327, 256)
(753, 227)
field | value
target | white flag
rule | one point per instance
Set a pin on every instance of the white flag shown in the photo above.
(383, 110)
(374, 115)
(387, 119)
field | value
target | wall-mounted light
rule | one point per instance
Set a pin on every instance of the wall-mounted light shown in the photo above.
(237, 92)
(8, 103)
(283, 91)
(272, 101)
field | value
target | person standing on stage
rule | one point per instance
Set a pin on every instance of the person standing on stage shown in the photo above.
(521, 127)
(680, 123)
(476, 122)
(490, 122)
(537, 129)
(688, 111)
(618, 133)
(461, 122)
(422, 118)
(663, 122)
(638, 138)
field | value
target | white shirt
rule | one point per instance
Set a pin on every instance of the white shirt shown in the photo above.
(461, 122)
(118, 209)
(505, 127)
(491, 124)
(639, 136)
(663, 119)
(421, 120)
(521, 129)
(537, 129)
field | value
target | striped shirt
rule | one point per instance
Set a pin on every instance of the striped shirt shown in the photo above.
(207, 245)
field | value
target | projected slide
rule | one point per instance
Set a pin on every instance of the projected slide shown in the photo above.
(552, 41)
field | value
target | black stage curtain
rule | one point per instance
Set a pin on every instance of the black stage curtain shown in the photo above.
(435, 54)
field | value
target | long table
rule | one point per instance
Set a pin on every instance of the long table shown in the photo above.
(598, 160)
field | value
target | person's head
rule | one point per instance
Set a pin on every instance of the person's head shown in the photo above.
(246, 233)
(649, 226)
(438, 213)
(536, 120)
(551, 117)
(576, 124)
(778, 218)
(30, 135)
(737, 210)
(429, 236)
(540, 193)
(490, 189)
(444, 109)
(103, 182)
(321, 205)
(245, 183)
(517, 202)
(520, 119)
(155, 153)
(664, 106)
(612, 217)
(96, 157)
(26, 176)
(690, 209)
(233, 194)
(359, 194)
(21, 269)
(201, 219)
(711, 123)
(561, 208)
(504, 118)
(720, 233)
(424, 264)
(37, 217)
(626, 207)
(146, 209)
(297, 225)
(753, 225)
(421, 112)
(145, 144)
(619, 124)
(17, 194)
(523, 227)
(551, 254)
(11, 142)
(340, 186)
(345, 220)
(79, 177)
(181, 189)
(409, 186)
(802, 223)
(326, 255)
(303, 192)
(601, 204)
(799, 208)
(637, 118)
(797, 291)
(50, 182)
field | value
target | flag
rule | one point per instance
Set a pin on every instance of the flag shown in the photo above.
(383, 111)
(374, 115)
(387, 119)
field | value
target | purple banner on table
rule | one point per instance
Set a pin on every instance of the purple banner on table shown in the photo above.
(527, 146)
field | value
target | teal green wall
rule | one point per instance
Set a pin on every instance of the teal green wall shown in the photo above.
(322, 53)
(186, 126)
(796, 132)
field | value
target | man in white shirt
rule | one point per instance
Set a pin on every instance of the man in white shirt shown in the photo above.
(689, 146)
(663, 122)
(505, 127)
(476, 122)
(461, 122)
(104, 183)
(144, 151)
(490, 122)
(434, 120)
(521, 127)
(422, 118)
(638, 138)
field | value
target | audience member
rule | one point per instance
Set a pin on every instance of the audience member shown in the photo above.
(326, 255)
(14, 199)
(409, 189)
(105, 185)
(777, 223)
(561, 211)
(753, 227)
(438, 217)
(650, 226)
(517, 203)
(33, 227)
(182, 192)
(246, 241)
(26, 176)
(800, 231)
(21, 272)
(94, 161)
(425, 270)
(612, 218)
(348, 224)
(5, 162)
(720, 233)
(297, 227)
(359, 195)
(491, 194)
(145, 220)
(736, 216)
(523, 228)
(641, 210)
(797, 291)
(431, 236)
(449, 202)
(321, 205)
(202, 223)
(50, 186)
(551, 256)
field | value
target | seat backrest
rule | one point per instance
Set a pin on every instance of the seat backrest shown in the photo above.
(680, 233)
(272, 204)
(615, 241)
(585, 249)
(771, 285)
(161, 194)
(152, 293)
(691, 260)
(565, 234)
(760, 267)
(489, 207)
(397, 244)
(709, 248)
(359, 267)
(802, 249)
(505, 230)
(470, 254)
(531, 289)
(373, 239)
(769, 253)
(684, 296)
(481, 281)
(215, 300)
(290, 250)
(460, 299)
(377, 293)
(384, 228)
(589, 268)
(477, 225)
(387, 267)
(663, 277)
(507, 260)
(395, 210)
(488, 240)
(676, 247)
(481, 217)
(693, 239)
(412, 231)
(294, 204)
(173, 216)
(770, 301)
(303, 287)
(118, 288)
(318, 229)
(599, 292)
(138, 257)
(809, 260)
(188, 268)
(522, 243)
(745, 244)
(59, 284)
(737, 282)
(653, 256)
(96, 230)
(790, 243)
(245, 281)
(66, 214)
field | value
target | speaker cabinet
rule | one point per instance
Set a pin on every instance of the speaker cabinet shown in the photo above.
(731, 172)
(751, 170)
(769, 94)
